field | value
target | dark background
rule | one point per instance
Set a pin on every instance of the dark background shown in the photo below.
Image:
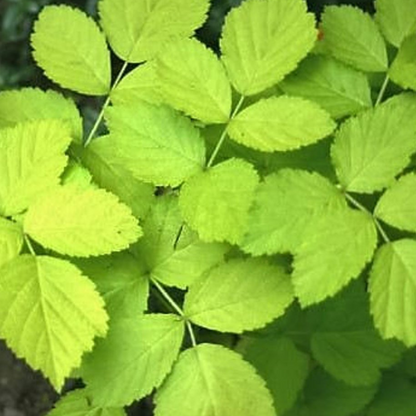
(22, 391)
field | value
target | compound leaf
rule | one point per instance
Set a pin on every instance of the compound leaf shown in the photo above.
(403, 68)
(109, 173)
(352, 37)
(172, 252)
(396, 206)
(216, 202)
(49, 314)
(78, 403)
(81, 222)
(393, 290)
(11, 240)
(319, 270)
(281, 123)
(138, 29)
(32, 157)
(123, 282)
(372, 148)
(238, 296)
(29, 104)
(281, 365)
(133, 359)
(336, 87)
(285, 203)
(345, 342)
(141, 84)
(214, 380)
(255, 42)
(69, 46)
(396, 19)
(159, 146)
(182, 73)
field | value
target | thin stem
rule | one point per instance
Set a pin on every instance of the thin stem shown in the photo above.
(105, 105)
(382, 90)
(29, 245)
(224, 133)
(191, 333)
(365, 210)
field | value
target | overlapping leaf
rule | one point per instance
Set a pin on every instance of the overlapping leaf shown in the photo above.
(156, 144)
(221, 299)
(216, 202)
(393, 290)
(255, 42)
(82, 223)
(134, 358)
(215, 381)
(285, 203)
(403, 68)
(138, 29)
(281, 123)
(372, 148)
(172, 252)
(69, 46)
(11, 240)
(77, 175)
(337, 88)
(319, 270)
(49, 314)
(193, 80)
(397, 205)
(352, 37)
(28, 104)
(31, 160)
(109, 173)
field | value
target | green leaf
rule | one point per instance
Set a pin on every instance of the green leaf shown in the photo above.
(141, 84)
(403, 68)
(352, 37)
(82, 223)
(109, 173)
(319, 269)
(172, 252)
(216, 202)
(325, 396)
(281, 123)
(282, 366)
(160, 146)
(213, 380)
(372, 148)
(78, 403)
(238, 296)
(255, 42)
(286, 202)
(31, 160)
(123, 282)
(133, 359)
(77, 175)
(49, 314)
(337, 88)
(396, 206)
(69, 46)
(396, 396)
(396, 19)
(182, 72)
(29, 104)
(393, 291)
(345, 342)
(11, 240)
(138, 29)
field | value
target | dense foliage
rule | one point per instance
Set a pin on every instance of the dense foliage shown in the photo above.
(241, 240)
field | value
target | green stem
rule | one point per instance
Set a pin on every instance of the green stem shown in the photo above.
(382, 90)
(224, 133)
(105, 105)
(362, 208)
(176, 308)
(29, 245)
